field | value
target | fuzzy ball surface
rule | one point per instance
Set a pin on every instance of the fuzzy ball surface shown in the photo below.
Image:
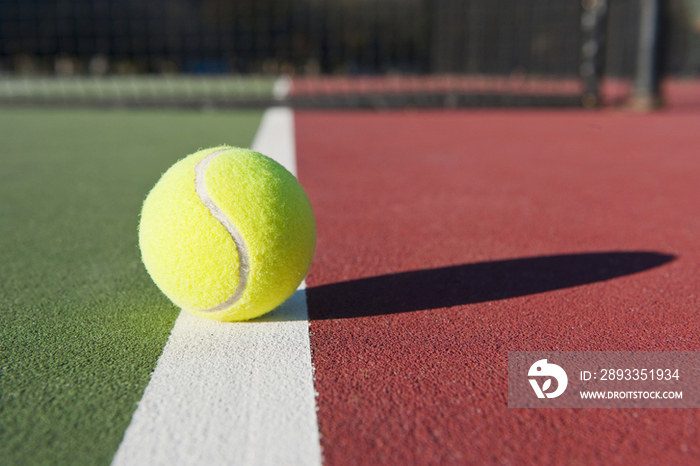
(227, 234)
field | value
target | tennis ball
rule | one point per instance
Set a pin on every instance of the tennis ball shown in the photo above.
(227, 234)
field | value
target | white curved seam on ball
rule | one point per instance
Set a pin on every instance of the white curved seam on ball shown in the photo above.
(243, 262)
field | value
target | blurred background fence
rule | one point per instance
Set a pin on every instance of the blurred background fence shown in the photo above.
(313, 40)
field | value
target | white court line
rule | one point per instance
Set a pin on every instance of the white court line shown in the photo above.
(281, 88)
(233, 393)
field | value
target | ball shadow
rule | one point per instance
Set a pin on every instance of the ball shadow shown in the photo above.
(472, 283)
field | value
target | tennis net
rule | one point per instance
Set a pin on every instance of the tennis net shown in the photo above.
(314, 53)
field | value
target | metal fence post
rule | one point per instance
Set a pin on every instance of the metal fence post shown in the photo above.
(646, 94)
(593, 32)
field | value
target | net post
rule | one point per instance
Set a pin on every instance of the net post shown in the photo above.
(645, 94)
(594, 17)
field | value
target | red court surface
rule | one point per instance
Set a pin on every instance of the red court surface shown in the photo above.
(338, 85)
(447, 239)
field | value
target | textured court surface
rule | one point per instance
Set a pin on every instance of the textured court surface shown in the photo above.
(81, 324)
(448, 239)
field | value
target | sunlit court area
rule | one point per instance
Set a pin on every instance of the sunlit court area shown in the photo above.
(349, 232)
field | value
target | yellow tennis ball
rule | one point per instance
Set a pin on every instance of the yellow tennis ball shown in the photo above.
(227, 234)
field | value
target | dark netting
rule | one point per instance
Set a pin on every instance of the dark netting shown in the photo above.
(411, 41)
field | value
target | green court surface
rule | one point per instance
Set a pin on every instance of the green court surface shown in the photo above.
(81, 323)
(153, 88)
